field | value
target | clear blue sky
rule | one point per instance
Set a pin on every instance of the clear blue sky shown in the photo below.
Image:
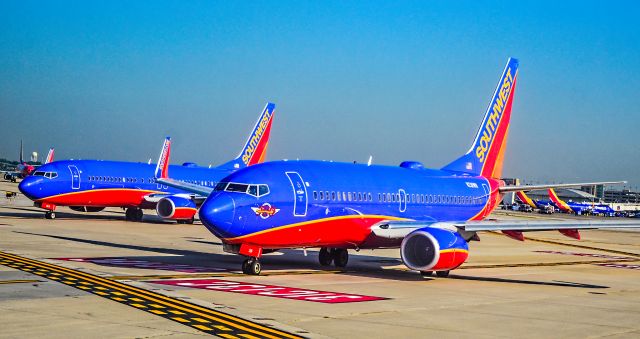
(398, 80)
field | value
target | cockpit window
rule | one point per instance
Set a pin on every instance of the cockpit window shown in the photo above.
(233, 187)
(220, 186)
(51, 175)
(38, 174)
(263, 190)
(253, 190)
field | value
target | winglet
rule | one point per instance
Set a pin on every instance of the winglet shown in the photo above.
(21, 157)
(49, 157)
(255, 149)
(162, 169)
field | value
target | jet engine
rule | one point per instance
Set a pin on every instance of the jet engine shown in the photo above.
(176, 208)
(86, 208)
(433, 249)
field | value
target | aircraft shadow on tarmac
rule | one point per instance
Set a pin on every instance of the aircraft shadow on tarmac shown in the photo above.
(150, 219)
(294, 260)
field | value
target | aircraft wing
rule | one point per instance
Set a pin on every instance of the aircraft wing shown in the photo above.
(185, 186)
(400, 229)
(507, 189)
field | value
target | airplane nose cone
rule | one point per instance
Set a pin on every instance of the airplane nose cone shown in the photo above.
(217, 213)
(29, 187)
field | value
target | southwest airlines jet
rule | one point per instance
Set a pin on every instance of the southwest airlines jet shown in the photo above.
(430, 214)
(580, 208)
(24, 169)
(92, 185)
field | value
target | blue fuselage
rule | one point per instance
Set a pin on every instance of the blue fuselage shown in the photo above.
(315, 203)
(107, 183)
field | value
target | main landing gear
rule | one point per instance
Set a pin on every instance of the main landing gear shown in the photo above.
(133, 214)
(50, 215)
(339, 256)
(251, 266)
(440, 274)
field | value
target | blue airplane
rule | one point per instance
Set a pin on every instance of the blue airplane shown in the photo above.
(92, 185)
(581, 208)
(430, 214)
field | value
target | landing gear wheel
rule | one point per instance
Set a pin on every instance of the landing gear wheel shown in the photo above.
(128, 215)
(340, 257)
(442, 274)
(138, 215)
(325, 257)
(50, 215)
(426, 273)
(245, 266)
(251, 266)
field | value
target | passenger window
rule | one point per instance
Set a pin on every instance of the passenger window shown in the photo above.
(349, 196)
(315, 195)
(321, 195)
(333, 195)
(359, 196)
(370, 197)
(339, 196)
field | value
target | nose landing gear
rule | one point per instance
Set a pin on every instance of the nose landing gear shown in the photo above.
(251, 266)
(50, 215)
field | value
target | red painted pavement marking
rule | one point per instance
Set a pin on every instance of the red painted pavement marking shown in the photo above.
(146, 264)
(269, 290)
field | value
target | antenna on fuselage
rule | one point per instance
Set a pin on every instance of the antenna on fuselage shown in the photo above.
(370, 160)
(149, 162)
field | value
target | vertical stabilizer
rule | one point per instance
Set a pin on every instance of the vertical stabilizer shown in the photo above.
(486, 154)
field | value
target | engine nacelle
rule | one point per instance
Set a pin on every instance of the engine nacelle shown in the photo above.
(176, 208)
(86, 208)
(433, 249)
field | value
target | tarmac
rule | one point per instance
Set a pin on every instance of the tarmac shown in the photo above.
(96, 275)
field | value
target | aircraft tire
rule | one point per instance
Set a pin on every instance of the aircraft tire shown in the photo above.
(50, 215)
(442, 274)
(426, 273)
(255, 267)
(128, 215)
(340, 257)
(245, 266)
(325, 257)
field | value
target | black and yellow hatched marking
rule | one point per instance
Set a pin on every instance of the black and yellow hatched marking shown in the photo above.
(201, 318)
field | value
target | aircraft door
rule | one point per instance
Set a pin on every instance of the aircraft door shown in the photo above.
(75, 177)
(299, 194)
(402, 200)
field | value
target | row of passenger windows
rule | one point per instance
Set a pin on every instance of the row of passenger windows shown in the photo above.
(397, 197)
(147, 180)
(120, 179)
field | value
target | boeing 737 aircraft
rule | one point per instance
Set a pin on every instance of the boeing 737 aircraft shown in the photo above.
(24, 169)
(580, 208)
(92, 185)
(431, 214)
